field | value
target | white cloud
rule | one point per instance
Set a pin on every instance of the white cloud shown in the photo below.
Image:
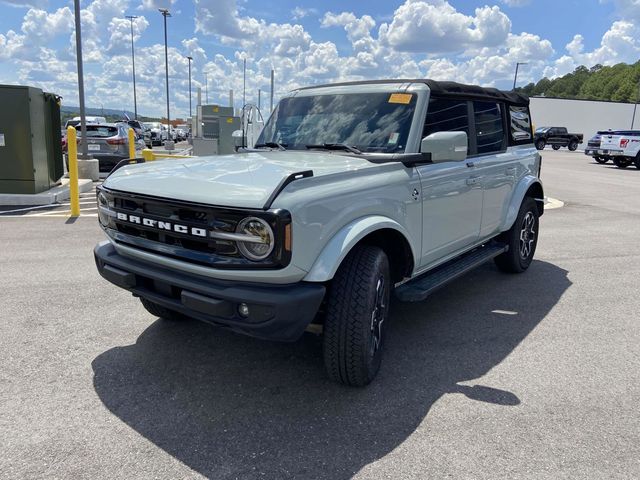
(423, 38)
(437, 27)
(621, 43)
(156, 4)
(516, 3)
(626, 9)
(298, 12)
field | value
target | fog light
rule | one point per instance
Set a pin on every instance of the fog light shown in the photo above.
(243, 310)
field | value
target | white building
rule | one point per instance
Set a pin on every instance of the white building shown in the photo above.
(583, 116)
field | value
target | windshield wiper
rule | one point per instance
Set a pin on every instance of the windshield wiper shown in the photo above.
(336, 146)
(277, 145)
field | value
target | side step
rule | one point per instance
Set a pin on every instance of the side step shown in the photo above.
(421, 287)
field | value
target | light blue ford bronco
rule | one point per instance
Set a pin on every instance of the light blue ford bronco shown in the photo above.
(353, 192)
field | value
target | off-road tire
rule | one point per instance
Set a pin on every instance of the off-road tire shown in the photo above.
(159, 311)
(555, 147)
(573, 145)
(514, 260)
(352, 343)
(540, 144)
(621, 162)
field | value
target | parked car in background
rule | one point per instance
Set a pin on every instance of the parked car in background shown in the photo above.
(142, 131)
(108, 143)
(622, 146)
(183, 131)
(556, 137)
(159, 133)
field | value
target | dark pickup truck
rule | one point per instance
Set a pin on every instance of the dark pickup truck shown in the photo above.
(556, 137)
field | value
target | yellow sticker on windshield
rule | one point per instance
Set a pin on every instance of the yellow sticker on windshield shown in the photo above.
(229, 120)
(404, 98)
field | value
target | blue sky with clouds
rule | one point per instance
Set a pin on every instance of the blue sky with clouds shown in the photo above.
(305, 42)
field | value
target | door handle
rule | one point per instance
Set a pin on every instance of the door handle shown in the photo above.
(473, 180)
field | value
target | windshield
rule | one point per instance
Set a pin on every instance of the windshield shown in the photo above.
(542, 129)
(370, 122)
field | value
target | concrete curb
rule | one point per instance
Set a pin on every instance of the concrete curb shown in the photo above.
(57, 194)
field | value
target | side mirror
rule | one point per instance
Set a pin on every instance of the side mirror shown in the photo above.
(445, 146)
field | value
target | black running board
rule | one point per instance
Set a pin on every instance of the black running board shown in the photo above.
(421, 287)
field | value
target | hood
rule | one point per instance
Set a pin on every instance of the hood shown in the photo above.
(244, 180)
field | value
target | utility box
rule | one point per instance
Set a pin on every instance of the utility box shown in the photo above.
(30, 140)
(215, 123)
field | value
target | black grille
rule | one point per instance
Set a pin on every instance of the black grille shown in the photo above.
(202, 217)
(185, 246)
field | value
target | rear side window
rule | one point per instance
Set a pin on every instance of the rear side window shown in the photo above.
(520, 121)
(446, 115)
(489, 129)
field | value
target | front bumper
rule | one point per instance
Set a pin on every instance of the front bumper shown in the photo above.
(277, 312)
(592, 152)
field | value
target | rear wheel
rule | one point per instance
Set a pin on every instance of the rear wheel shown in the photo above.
(159, 311)
(601, 159)
(573, 145)
(521, 238)
(637, 161)
(356, 318)
(540, 144)
(555, 147)
(621, 162)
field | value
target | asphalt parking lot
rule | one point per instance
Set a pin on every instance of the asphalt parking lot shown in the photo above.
(497, 376)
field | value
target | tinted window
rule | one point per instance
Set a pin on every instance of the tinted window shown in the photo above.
(520, 124)
(101, 131)
(445, 115)
(489, 130)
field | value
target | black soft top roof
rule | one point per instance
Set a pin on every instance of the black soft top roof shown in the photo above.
(448, 89)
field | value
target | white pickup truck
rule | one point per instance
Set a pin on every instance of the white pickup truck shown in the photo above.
(622, 146)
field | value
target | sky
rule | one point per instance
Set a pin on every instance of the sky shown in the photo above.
(306, 42)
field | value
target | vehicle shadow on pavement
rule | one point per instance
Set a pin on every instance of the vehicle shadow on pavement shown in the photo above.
(230, 406)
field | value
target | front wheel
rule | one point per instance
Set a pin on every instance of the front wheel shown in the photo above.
(637, 161)
(621, 162)
(521, 239)
(540, 144)
(356, 318)
(555, 147)
(573, 145)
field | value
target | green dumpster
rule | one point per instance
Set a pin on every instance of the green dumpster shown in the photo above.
(30, 140)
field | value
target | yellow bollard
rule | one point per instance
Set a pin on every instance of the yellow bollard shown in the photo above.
(72, 152)
(132, 143)
(148, 155)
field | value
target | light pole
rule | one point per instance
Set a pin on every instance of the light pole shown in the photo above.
(206, 88)
(190, 59)
(133, 61)
(165, 13)
(83, 123)
(515, 78)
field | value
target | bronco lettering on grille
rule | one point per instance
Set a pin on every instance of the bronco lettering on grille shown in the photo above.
(160, 225)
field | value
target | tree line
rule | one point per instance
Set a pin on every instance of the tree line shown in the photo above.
(617, 83)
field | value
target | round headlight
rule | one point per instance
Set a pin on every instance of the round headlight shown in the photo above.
(260, 240)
